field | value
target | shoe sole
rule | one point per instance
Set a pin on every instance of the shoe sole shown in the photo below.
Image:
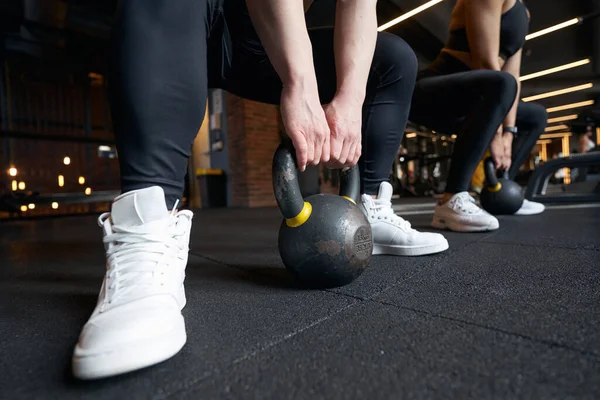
(436, 223)
(128, 358)
(380, 249)
(532, 212)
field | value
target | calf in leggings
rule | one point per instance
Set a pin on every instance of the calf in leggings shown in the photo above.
(165, 58)
(472, 88)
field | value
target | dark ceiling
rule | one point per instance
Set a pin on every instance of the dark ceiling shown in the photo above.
(84, 26)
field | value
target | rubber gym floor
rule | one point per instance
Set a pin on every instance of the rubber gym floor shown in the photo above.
(511, 314)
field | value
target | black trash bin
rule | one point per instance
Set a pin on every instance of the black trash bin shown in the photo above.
(213, 187)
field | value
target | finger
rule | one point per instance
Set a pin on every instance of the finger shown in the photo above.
(318, 148)
(497, 162)
(358, 152)
(325, 154)
(302, 152)
(335, 148)
(352, 159)
(345, 151)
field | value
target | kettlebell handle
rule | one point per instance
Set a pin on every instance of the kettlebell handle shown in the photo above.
(350, 183)
(287, 187)
(491, 181)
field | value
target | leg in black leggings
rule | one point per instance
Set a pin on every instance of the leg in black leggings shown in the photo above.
(531, 123)
(386, 106)
(471, 104)
(158, 89)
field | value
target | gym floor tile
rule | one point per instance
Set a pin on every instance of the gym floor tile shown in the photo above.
(375, 351)
(230, 314)
(539, 292)
(563, 228)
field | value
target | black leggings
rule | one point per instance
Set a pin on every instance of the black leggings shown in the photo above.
(531, 121)
(166, 58)
(451, 98)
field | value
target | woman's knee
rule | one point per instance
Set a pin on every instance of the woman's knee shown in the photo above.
(394, 60)
(502, 84)
(537, 117)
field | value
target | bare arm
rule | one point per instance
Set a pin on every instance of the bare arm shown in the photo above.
(513, 67)
(282, 31)
(482, 21)
(354, 45)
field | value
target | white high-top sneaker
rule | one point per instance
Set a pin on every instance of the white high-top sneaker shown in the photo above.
(394, 235)
(462, 214)
(531, 208)
(137, 321)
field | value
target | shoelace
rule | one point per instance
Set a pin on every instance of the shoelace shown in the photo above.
(385, 211)
(139, 252)
(466, 203)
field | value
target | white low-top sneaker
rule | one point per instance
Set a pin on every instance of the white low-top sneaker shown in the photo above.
(392, 234)
(530, 208)
(462, 214)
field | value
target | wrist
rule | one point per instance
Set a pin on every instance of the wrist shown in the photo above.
(350, 96)
(301, 80)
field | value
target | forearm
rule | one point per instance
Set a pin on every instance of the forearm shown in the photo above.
(355, 38)
(282, 31)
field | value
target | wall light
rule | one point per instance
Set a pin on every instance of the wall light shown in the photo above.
(555, 69)
(553, 28)
(61, 181)
(12, 171)
(570, 106)
(23, 208)
(556, 128)
(409, 14)
(565, 118)
(411, 135)
(54, 205)
(453, 136)
(31, 206)
(21, 185)
(14, 186)
(67, 160)
(559, 92)
(88, 191)
(81, 180)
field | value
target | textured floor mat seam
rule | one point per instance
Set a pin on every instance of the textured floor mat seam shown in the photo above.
(194, 382)
(545, 342)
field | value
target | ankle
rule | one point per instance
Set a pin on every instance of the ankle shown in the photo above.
(445, 197)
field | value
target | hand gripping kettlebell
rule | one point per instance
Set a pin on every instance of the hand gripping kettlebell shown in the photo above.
(499, 196)
(325, 240)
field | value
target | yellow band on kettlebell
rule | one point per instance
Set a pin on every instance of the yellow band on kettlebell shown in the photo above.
(349, 199)
(495, 188)
(301, 218)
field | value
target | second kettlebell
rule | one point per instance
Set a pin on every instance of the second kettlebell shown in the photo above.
(499, 196)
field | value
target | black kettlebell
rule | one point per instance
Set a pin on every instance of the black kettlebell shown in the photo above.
(324, 240)
(499, 196)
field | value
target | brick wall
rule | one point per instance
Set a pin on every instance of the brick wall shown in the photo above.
(253, 130)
